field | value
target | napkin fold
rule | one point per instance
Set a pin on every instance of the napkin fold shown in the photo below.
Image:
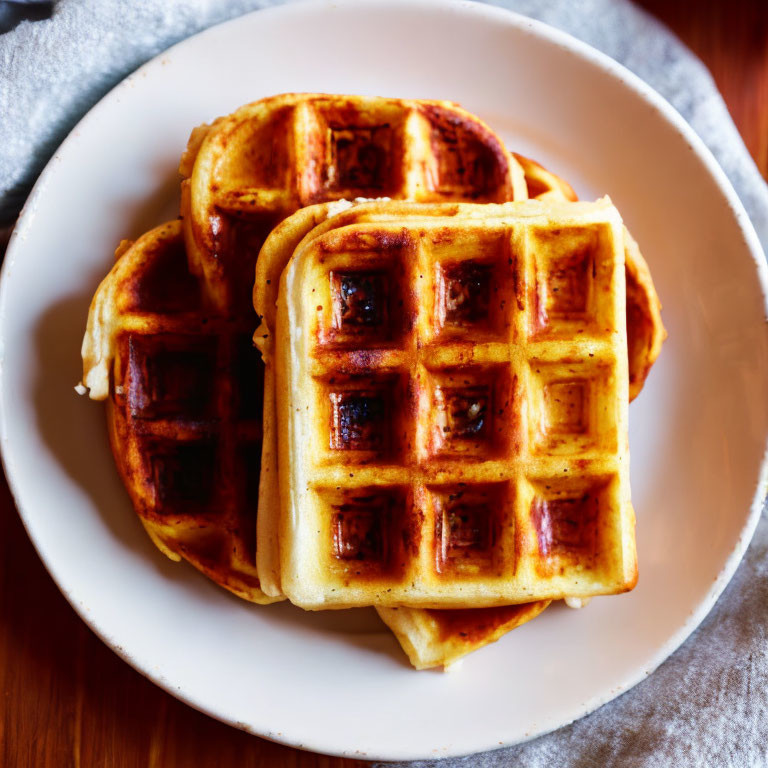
(13, 12)
(708, 703)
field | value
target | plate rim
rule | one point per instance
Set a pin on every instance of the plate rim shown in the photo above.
(546, 34)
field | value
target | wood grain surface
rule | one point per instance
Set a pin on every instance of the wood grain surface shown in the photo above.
(67, 700)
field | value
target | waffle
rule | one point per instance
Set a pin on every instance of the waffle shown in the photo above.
(440, 638)
(250, 170)
(452, 410)
(176, 329)
(645, 331)
(184, 422)
(542, 184)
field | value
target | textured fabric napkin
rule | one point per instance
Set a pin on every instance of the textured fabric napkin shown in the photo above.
(708, 703)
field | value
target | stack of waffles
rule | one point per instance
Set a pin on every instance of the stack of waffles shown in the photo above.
(379, 361)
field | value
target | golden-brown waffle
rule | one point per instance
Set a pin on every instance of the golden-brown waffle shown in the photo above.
(542, 184)
(184, 413)
(439, 638)
(452, 409)
(168, 340)
(645, 331)
(251, 169)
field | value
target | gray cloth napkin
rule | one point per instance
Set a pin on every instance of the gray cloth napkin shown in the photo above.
(708, 703)
(13, 12)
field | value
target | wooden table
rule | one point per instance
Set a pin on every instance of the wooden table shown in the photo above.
(67, 700)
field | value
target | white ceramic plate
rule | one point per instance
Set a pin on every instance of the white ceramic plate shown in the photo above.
(337, 682)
